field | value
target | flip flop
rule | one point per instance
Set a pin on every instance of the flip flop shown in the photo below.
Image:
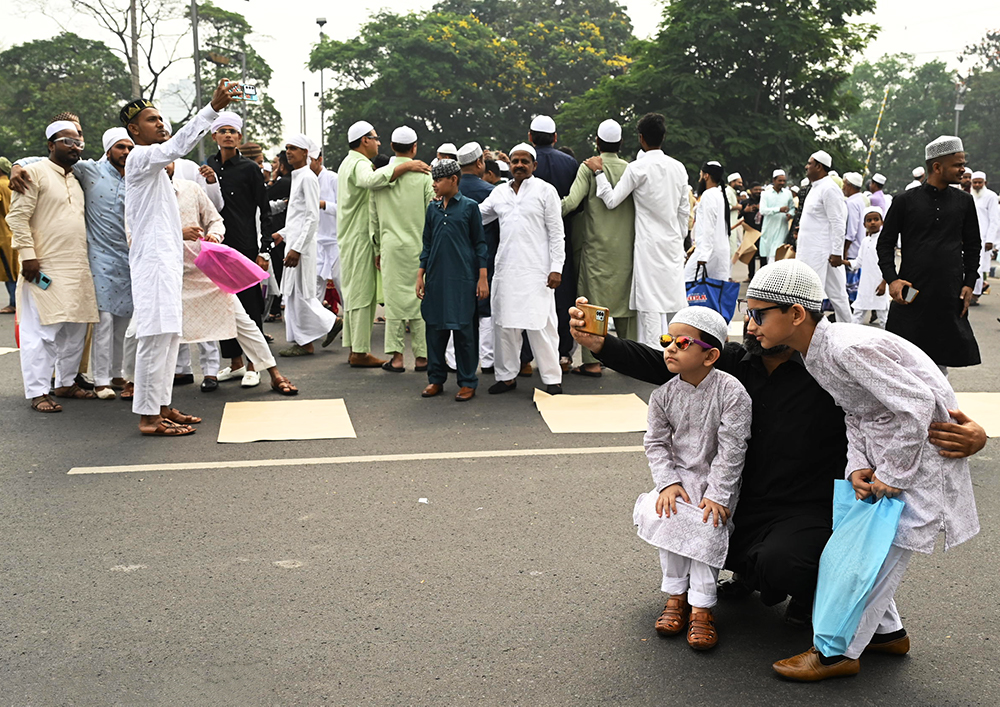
(387, 366)
(53, 406)
(419, 369)
(167, 428)
(581, 371)
(284, 387)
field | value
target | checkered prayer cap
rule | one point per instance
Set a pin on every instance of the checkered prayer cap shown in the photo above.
(705, 320)
(787, 282)
(445, 168)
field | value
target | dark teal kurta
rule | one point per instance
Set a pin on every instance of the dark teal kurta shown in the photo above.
(454, 252)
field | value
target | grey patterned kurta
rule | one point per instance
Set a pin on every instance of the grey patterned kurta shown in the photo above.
(891, 392)
(697, 437)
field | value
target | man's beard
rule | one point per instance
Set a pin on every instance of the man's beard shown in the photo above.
(702, 186)
(754, 348)
(977, 192)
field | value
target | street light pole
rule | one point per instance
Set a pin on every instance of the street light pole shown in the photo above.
(322, 122)
(959, 101)
(197, 72)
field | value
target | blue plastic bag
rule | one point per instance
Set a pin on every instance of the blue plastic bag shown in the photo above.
(721, 296)
(863, 532)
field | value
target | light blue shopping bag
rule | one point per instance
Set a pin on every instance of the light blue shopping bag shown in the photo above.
(863, 532)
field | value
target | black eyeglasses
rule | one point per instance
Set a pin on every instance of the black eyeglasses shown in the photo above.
(757, 314)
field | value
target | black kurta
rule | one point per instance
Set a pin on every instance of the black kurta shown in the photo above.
(939, 238)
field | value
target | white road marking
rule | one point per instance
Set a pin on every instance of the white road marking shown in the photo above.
(288, 564)
(127, 568)
(366, 459)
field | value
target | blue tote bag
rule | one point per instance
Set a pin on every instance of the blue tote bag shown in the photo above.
(721, 296)
(863, 532)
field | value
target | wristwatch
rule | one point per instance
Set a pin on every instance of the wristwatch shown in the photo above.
(265, 256)
(598, 172)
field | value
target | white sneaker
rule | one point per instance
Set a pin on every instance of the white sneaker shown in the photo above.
(251, 379)
(228, 373)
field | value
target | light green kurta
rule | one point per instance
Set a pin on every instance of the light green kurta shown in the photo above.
(396, 224)
(603, 239)
(356, 180)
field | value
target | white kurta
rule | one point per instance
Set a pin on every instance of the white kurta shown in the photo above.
(532, 245)
(711, 238)
(871, 277)
(659, 187)
(156, 257)
(305, 318)
(327, 252)
(988, 211)
(821, 234)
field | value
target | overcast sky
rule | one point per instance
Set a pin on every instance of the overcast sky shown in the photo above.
(287, 29)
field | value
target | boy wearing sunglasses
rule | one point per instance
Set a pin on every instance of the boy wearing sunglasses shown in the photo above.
(891, 392)
(699, 423)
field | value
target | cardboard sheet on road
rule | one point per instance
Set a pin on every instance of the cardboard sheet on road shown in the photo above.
(591, 413)
(285, 420)
(984, 408)
(6, 350)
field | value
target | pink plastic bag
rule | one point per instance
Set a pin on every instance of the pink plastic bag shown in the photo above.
(227, 268)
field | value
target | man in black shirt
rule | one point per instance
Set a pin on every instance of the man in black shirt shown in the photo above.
(752, 219)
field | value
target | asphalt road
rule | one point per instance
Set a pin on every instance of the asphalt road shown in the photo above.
(521, 582)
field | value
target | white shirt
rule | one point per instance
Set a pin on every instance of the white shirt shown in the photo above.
(821, 229)
(327, 233)
(188, 170)
(855, 233)
(156, 257)
(711, 238)
(532, 245)
(988, 211)
(659, 187)
(871, 277)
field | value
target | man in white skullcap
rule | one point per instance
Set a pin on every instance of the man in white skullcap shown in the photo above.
(327, 251)
(857, 202)
(777, 208)
(604, 240)
(734, 185)
(356, 179)
(528, 268)
(659, 187)
(966, 184)
(55, 290)
(918, 178)
(988, 211)
(447, 151)
(821, 233)
(879, 198)
(938, 232)
(891, 392)
(397, 228)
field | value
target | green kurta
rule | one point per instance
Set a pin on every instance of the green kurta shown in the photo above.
(356, 180)
(604, 239)
(397, 227)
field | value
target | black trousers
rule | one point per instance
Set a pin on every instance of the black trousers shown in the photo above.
(466, 354)
(253, 302)
(566, 298)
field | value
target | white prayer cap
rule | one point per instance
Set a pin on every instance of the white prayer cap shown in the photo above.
(299, 140)
(523, 147)
(835, 174)
(447, 148)
(227, 119)
(265, 166)
(704, 319)
(878, 178)
(608, 131)
(503, 166)
(979, 175)
(823, 157)
(944, 145)
(113, 136)
(404, 135)
(968, 170)
(873, 210)
(58, 126)
(804, 182)
(918, 172)
(469, 153)
(854, 179)
(314, 149)
(733, 177)
(359, 130)
(795, 190)
(714, 163)
(787, 282)
(777, 173)
(543, 124)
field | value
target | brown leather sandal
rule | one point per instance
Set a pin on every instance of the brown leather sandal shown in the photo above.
(701, 630)
(674, 617)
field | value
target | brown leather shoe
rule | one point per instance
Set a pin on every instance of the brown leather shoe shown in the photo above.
(701, 630)
(465, 393)
(805, 667)
(365, 360)
(901, 646)
(432, 390)
(526, 371)
(674, 617)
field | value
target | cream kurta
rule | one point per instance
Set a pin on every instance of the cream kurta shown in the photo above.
(48, 224)
(209, 313)
(532, 245)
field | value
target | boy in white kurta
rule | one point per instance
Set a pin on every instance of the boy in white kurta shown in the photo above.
(872, 296)
(891, 392)
(699, 424)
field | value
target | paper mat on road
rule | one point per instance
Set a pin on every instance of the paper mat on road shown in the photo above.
(591, 413)
(984, 408)
(285, 420)
(6, 350)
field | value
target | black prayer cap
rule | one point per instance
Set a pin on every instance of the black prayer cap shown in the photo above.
(130, 110)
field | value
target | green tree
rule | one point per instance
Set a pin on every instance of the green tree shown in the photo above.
(919, 108)
(743, 83)
(66, 73)
(982, 106)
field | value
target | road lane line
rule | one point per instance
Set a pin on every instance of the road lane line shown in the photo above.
(317, 461)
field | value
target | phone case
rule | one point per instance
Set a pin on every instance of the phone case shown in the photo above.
(596, 319)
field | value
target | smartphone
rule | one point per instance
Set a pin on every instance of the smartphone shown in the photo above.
(44, 281)
(909, 293)
(249, 92)
(595, 319)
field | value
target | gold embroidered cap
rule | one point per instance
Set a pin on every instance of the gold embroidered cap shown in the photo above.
(133, 109)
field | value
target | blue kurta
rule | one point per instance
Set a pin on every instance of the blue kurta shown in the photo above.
(453, 254)
(104, 191)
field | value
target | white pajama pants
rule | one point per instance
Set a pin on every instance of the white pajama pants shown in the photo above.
(155, 360)
(682, 575)
(544, 345)
(861, 316)
(485, 345)
(328, 268)
(880, 614)
(45, 347)
(835, 286)
(251, 339)
(208, 355)
(651, 325)
(107, 347)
